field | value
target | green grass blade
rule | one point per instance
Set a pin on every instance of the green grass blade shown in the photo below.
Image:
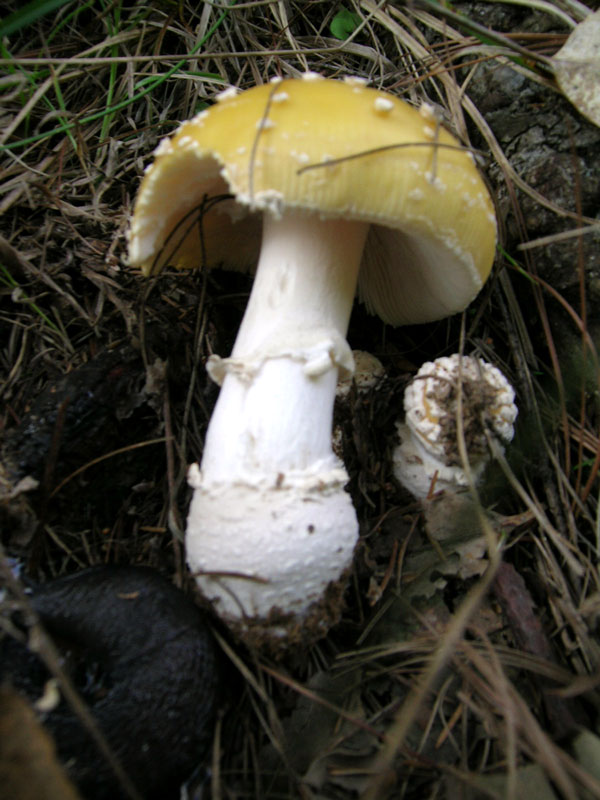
(7, 279)
(28, 15)
(67, 19)
(63, 108)
(124, 103)
(114, 50)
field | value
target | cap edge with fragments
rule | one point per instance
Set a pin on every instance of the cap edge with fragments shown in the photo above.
(201, 154)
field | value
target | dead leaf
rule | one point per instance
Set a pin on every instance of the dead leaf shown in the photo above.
(577, 67)
(320, 745)
(586, 747)
(530, 781)
(456, 546)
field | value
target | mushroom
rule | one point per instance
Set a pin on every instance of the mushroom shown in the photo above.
(354, 186)
(368, 372)
(428, 457)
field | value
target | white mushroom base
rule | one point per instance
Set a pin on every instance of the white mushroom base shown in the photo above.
(421, 472)
(262, 552)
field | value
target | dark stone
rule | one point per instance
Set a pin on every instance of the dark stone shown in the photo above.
(144, 661)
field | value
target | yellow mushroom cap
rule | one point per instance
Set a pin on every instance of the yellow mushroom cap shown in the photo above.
(336, 149)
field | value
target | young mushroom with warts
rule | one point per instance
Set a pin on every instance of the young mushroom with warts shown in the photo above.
(342, 177)
(368, 372)
(428, 457)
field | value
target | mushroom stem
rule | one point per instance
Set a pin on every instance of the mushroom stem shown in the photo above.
(269, 484)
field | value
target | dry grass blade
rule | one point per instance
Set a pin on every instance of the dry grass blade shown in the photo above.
(406, 715)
